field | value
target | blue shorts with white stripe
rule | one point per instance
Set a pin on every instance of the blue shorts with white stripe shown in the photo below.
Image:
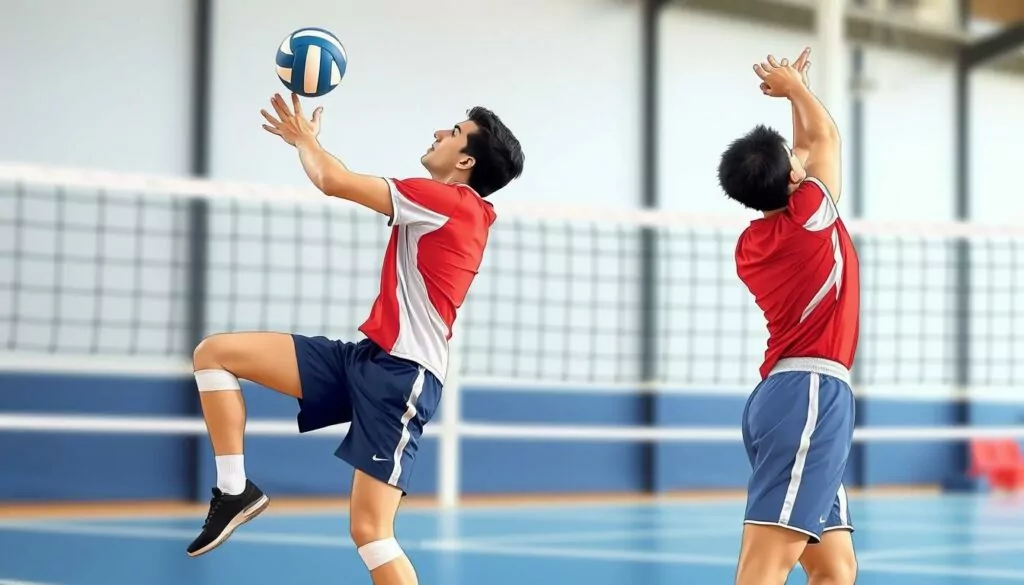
(387, 400)
(798, 431)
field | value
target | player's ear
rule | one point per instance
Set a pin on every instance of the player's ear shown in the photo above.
(465, 163)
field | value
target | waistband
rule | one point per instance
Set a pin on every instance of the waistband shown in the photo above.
(816, 365)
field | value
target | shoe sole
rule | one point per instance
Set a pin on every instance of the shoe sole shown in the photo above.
(242, 517)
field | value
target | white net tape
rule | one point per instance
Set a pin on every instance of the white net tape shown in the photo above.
(121, 425)
(129, 184)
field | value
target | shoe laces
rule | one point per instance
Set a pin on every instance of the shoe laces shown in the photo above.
(215, 502)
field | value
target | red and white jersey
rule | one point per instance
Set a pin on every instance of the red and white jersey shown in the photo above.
(801, 267)
(437, 244)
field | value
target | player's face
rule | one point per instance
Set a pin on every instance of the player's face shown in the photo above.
(445, 154)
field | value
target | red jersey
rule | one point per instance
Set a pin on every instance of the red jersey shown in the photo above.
(437, 244)
(801, 267)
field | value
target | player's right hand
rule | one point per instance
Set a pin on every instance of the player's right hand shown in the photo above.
(802, 64)
(291, 126)
(778, 79)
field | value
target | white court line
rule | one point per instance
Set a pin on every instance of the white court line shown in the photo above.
(732, 526)
(597, 536)
(16, 582)
(947, 528)
(463, 546)
(471, 547)
(941, 551)
(705, 560)
(944, 571)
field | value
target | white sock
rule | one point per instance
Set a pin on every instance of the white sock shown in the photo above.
(231, 474)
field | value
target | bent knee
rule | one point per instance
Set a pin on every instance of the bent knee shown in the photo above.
(837, 571)
(367, 530)
(212, 352)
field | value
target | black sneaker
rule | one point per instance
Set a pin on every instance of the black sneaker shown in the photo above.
(226, 514)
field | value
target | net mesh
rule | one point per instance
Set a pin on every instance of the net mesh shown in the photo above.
(98, 264)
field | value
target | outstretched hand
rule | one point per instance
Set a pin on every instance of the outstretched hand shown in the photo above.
(291, 126)
(778, 78)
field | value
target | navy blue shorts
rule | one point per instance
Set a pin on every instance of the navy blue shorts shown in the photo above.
(387, 400)
(798, 431)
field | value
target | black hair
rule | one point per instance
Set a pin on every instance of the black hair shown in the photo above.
(499, 156)
(754, 170)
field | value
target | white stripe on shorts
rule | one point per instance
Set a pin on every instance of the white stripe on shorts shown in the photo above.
(843, 513)
(801, 454)
(410, 411)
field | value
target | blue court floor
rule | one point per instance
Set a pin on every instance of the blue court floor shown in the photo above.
(911, 540)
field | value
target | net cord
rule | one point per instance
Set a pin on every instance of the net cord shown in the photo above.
(133, 185)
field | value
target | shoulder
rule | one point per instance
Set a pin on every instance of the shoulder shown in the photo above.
(419, 186)
(473, 207)
(415, 197)
(811, 205)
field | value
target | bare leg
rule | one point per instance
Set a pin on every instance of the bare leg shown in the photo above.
(267, 359)
(768, 554)
(373, 506)
(832, 561)
(219, 362)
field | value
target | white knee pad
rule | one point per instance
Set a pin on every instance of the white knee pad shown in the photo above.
(380, 552)
(215, 380)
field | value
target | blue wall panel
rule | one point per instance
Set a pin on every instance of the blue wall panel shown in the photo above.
(70, 466)
(909, 463)
(686, 465)
(65, 466)
(569, 408)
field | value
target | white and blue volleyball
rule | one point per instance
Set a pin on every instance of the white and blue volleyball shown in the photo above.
(311, 62)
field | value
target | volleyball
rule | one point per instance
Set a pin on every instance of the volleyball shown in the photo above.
(311, 62)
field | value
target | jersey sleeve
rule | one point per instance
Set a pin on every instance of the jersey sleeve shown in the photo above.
(811, 206)
(422, 202)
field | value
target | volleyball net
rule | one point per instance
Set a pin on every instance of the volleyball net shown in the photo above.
(118, 273)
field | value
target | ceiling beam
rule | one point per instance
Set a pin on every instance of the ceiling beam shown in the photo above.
(1000, 11)
(994, 46)
(863, 26)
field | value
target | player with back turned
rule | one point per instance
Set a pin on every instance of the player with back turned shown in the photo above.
(799, 263)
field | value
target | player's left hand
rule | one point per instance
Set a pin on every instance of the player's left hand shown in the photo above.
(778, 79)
(801, 64)
(290, 125)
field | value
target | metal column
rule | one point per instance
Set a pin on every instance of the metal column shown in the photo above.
(650, 13)
(197, 214)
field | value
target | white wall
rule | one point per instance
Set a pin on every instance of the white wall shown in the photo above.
(102, 83)
(908, 137)
(563, 75)
(709, 97)
(997, 146)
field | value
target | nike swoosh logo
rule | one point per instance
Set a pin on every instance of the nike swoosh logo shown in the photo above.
(375, 458)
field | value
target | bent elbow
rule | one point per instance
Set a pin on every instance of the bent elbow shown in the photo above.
(826, 138)
(331, 184)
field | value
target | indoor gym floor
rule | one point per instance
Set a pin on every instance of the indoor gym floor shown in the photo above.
(908, 539)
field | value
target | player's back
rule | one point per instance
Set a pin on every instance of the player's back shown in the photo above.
(802, 268)
(437, 244)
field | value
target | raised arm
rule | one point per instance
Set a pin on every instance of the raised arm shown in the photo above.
(815, 133)
(327, 173)
(800, 144)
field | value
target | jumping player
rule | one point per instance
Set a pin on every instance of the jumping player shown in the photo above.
(799, 263)
(388, 384)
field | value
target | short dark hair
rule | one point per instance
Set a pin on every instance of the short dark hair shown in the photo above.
(754, 170)
(499, 156)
